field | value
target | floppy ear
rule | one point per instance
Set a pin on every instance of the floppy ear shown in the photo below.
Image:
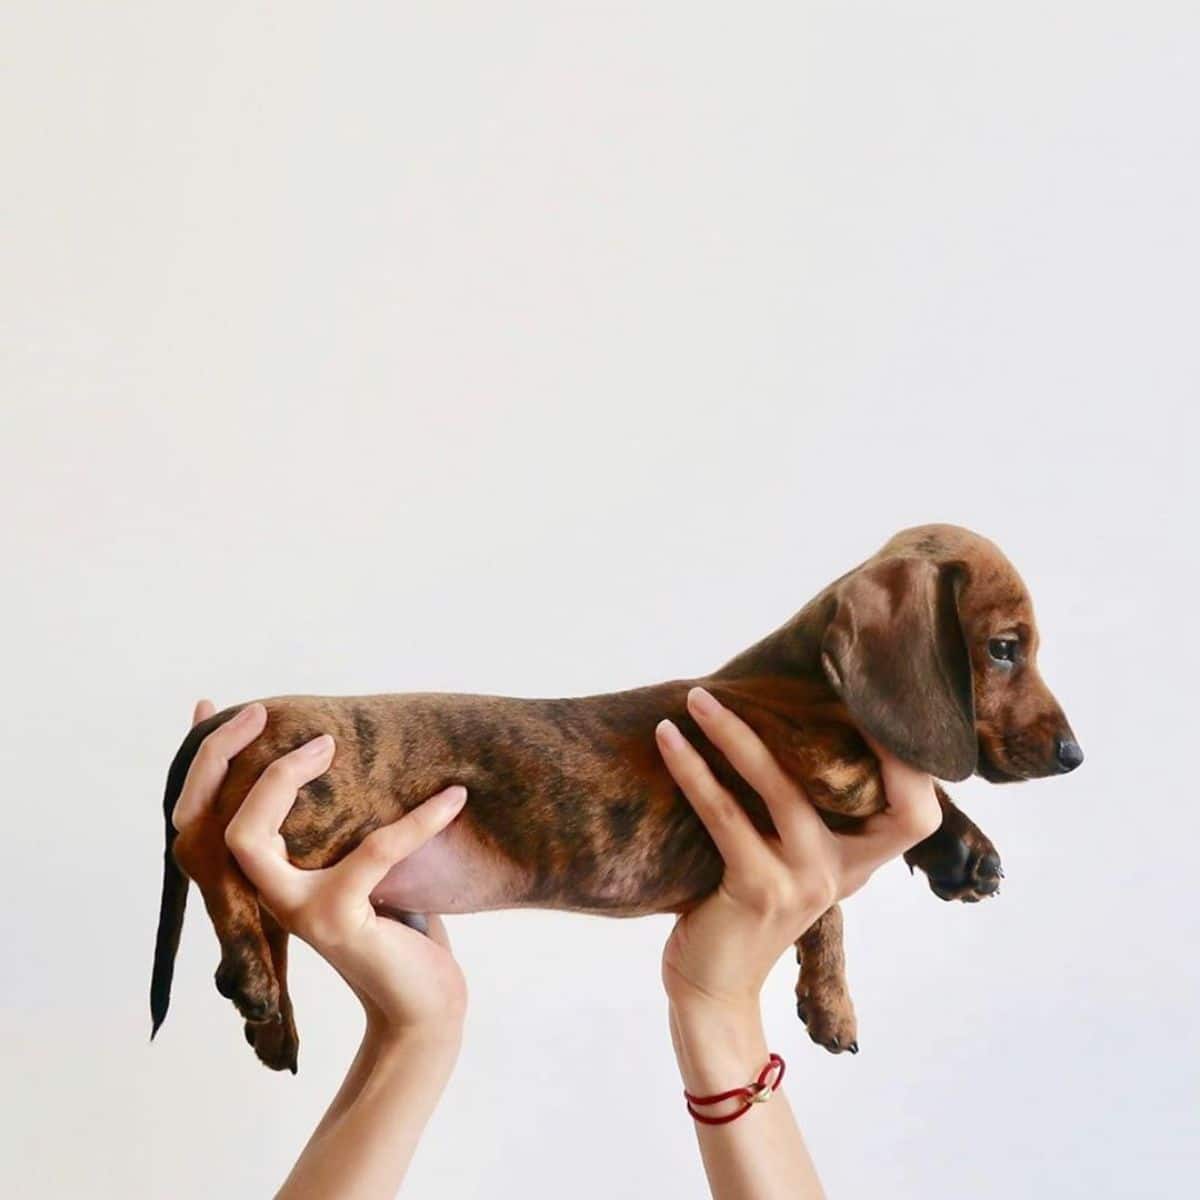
(894, 651)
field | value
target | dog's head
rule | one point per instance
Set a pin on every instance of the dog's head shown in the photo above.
(932, 646)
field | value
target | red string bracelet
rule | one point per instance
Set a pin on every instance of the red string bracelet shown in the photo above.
(761, 1090)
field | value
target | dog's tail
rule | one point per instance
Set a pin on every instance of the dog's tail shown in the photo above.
(175, 882)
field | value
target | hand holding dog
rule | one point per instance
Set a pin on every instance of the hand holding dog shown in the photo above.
(410, 986)
(720, 952)
(772, 889)
(401, 977)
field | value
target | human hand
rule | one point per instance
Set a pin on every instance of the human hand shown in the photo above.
(404, 980)
(773, 889)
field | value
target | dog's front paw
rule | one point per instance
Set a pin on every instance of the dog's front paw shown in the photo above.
(975, 877)
(959, 860)
(827, 1011)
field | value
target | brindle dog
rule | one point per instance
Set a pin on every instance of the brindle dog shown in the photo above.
(930, 646)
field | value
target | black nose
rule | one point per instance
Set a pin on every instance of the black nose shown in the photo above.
(1069, 754)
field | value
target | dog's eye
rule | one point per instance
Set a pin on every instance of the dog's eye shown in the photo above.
(1003, 649)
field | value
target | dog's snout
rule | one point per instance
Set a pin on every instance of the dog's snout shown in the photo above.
(1069, 754)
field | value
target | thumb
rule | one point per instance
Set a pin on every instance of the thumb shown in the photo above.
(379, 852)
(909, 790)
(912, 812)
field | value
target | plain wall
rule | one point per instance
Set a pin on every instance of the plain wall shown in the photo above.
(557, 348)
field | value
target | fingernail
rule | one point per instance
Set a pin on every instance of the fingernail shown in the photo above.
(669, 733)
(701, 702)
(453, 797)
(248, 714)
(318, 745)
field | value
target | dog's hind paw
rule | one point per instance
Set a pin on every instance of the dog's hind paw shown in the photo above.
(276, 1043)
(828, 1014)
(245, 979)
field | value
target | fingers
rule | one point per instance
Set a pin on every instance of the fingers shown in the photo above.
(888, 834)
(253, 834)
(380, 851)
(739, 843)
(212, 761)
(911, 796)
(203, 710)
(794, 817)
(912, 814)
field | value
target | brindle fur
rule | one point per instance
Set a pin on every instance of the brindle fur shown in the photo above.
(572, 797)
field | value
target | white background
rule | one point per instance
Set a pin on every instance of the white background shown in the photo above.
(555, 348)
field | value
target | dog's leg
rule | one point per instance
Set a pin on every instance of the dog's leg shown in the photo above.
(822, 998)
(277, 1043)
(245, 975)
(959, 859)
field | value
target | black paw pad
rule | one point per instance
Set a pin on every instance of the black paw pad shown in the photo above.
(967, 875)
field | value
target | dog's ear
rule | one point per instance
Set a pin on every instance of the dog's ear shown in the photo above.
(894, 651)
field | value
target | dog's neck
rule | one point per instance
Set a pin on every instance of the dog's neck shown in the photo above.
(793, 651)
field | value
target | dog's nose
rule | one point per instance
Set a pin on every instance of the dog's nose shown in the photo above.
(1069, 754)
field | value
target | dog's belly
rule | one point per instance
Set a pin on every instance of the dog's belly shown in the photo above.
(453, 873)
(460, 871)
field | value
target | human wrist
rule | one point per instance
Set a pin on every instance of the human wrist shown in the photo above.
(433, 1046)
(718, 1045)
(398, 1056)
(437, 1036)
(704, 1007)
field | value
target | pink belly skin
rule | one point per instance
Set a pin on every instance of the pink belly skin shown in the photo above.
(453, 873)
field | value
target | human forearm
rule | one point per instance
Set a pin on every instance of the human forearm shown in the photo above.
(374, 1034)
(721, 951)
(761, 1155)
(412, 991)
(362, 1148)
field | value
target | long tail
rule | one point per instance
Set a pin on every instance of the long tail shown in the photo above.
(175, 882)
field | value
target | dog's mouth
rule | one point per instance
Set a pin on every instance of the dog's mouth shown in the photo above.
(987, 767)
(1012, 759)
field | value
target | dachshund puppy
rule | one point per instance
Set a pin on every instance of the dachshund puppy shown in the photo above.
(929, 646)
